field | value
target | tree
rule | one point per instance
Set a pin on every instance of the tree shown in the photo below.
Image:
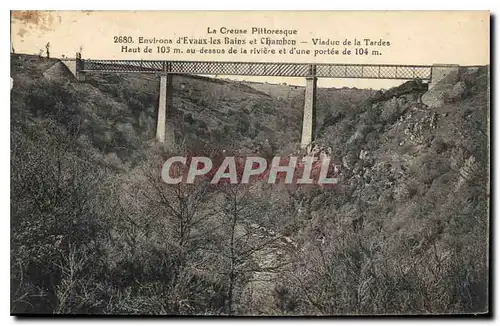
(250, 244)
(168, 228)
(54, 217)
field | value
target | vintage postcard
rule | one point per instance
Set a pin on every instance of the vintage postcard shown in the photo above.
(250, 163)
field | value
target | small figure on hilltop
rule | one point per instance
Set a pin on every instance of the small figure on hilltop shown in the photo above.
(47, 49)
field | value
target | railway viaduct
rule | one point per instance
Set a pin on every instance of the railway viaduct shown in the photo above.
(311, 72)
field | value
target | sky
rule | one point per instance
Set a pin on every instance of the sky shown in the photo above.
(415, 38)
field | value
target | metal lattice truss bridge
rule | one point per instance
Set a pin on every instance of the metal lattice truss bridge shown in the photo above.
(166, 69)
(324, 70)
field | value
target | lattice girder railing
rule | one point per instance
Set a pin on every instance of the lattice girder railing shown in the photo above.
(261, 69)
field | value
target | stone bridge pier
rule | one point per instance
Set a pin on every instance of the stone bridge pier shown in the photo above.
(309, 119)
(75, 66)
(164, 101)
(440, 72)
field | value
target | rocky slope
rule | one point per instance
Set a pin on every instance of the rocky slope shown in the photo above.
(412, 206)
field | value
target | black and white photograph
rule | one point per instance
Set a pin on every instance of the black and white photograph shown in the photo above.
(277, 164)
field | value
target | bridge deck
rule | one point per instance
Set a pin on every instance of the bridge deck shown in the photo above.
(260, 69)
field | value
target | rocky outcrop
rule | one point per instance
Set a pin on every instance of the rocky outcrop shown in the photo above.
(410, 87)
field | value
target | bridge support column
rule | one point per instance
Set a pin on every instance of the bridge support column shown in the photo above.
(441, 71)
(79, 74)
(165, 95)
(309, 121)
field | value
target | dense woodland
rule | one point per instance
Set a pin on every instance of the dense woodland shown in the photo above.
(95, 230)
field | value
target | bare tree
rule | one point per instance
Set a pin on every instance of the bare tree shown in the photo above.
(245, 248)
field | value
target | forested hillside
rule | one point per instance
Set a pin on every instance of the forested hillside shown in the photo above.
(95, 230)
